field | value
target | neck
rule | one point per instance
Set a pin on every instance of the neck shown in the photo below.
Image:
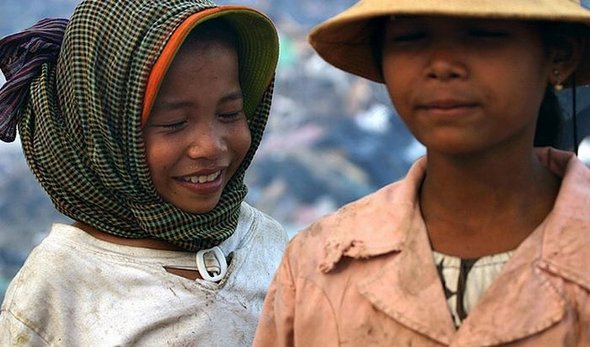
(485, 205)
(142, 243)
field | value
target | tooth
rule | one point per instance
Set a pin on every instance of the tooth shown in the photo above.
(202, 179)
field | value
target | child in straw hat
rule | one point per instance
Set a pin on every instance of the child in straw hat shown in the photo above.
(139, 118)
(485, 241)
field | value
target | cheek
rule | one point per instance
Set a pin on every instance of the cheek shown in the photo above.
(158, 156)
(398, 81)
(243, 143)
(525, 82)
(240, 142)
(400, 97)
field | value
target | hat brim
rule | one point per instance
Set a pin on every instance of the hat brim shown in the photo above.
(258, 52)
(345, 40)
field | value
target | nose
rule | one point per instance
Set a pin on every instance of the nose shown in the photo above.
(446, 63)
(207, 142)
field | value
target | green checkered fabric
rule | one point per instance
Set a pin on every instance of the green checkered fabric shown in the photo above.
(81, 128)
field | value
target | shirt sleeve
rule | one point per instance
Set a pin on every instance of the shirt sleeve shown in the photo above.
(16, 333)
(275, 327)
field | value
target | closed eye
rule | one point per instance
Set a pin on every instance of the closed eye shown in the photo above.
(171, 126)
(231, 116)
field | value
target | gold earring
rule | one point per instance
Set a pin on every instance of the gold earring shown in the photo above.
(558, 84)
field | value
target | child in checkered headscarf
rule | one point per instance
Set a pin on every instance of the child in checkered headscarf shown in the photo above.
(139, 119)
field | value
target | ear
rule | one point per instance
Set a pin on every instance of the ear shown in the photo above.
(565, 54)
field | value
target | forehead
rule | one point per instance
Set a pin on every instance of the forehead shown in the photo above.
(205, 46)
(199, 55)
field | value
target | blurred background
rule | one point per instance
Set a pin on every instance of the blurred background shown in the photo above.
(331, 137)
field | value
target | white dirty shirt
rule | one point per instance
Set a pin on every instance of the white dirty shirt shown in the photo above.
(75, 290)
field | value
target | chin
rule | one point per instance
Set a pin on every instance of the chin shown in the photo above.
(200, 210)
(201, 207)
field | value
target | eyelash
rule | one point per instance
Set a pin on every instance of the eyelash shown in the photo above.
(231, 116)
(225, 117)
(172, 126)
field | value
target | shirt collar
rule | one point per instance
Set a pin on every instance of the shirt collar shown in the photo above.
(376, 224)
(390, 212)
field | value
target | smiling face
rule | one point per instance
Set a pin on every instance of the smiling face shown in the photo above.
(465, 85)
(197, 133)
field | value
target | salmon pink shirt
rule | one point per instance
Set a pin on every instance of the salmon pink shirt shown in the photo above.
(365, 276)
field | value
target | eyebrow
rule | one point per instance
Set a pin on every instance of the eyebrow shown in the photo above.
(173, 104)
(233, 96)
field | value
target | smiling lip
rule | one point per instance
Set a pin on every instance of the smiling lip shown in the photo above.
(203, 182)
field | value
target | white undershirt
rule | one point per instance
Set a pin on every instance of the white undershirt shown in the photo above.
(479, 276)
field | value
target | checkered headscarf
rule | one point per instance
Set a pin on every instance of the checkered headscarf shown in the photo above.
(80, 127)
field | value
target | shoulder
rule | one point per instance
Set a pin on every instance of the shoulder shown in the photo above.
(376, 212)
(259, 241)
(252, 215)
(374, 225)
(355, 218)
(360, 230)
(262, 226)
(50, 273)
(53, 264)
(566, 238)
(565, 250)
